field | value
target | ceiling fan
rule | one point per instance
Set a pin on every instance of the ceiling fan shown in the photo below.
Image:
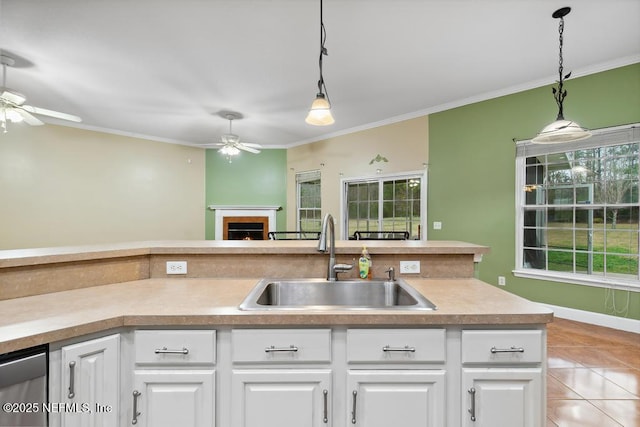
(13, 109)
(230, 144)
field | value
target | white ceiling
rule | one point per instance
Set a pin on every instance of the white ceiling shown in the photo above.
(162, 69)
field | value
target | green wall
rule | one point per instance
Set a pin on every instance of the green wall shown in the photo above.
(251, 179)
(472, 173)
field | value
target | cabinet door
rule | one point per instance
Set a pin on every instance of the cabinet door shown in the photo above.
(91, 383)
(396, 398)
(502, 397)
(281, 398)
(169, 398)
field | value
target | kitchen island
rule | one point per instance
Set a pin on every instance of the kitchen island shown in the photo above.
(73, 297)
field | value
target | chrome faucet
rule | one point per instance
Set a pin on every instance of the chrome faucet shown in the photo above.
(328, 227)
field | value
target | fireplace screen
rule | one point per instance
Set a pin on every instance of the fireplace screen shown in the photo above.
(245, 228)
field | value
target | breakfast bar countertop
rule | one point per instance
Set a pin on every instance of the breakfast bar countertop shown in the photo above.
(207, 302)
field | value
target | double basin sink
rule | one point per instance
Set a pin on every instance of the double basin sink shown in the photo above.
(321, 294)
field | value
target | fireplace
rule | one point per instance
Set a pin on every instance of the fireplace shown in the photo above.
(245, 227)
(244, 222)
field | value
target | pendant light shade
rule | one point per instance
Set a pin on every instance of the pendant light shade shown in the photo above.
(561, 130)
(320, 111)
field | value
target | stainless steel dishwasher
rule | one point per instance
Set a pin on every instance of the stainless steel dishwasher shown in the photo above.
(23, 387)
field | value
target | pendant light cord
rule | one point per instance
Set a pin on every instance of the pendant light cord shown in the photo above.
(560, 93)
(322, 89)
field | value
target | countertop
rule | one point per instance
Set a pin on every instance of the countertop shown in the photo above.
(40, 256)
(57, 316)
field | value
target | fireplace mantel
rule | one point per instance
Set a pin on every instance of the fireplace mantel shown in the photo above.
(222, 211)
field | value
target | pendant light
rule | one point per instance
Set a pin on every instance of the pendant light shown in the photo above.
(320, 112)
(561, 130)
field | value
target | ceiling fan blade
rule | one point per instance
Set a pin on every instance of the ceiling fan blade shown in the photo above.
(12, 97)
(28, 117)
(51, 113)
(252, 145)
(243, 146)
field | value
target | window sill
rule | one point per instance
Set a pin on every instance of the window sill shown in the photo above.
(577, 279)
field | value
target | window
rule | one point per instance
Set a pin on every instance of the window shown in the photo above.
(309, 214)
(578, 209)
(391, 203)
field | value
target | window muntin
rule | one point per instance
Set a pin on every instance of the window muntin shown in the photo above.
(309, 206)
(392, 203)
(579, 209)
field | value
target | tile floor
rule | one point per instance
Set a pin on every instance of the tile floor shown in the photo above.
(593, 376)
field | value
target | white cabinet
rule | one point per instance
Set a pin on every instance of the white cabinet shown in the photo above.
(407, 398)
(281, 398)
(410, 395)
(502, 397)
(502, 378)
(90, 383)
(169, 398)
(272, 384)
(174, 379)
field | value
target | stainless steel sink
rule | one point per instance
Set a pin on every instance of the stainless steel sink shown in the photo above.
(321, 294)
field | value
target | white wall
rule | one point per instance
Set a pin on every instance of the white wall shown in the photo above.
(64, 186)
(405, 145)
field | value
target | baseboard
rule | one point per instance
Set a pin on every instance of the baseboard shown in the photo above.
(606, 320)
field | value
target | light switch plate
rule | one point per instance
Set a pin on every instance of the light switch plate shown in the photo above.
(176, 267)
(437, 225)
(409, 267)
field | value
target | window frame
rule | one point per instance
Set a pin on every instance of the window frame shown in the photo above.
(344, 230)
(305, 177)
(601, 138)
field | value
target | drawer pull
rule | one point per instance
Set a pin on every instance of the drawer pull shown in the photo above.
(325, 419)
(405, 348)
(72, 376)
(136, 414)
(472, 411)
(513, 349)
(274, 349)
(165, 350)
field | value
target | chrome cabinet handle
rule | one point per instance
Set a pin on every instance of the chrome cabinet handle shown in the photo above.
(165, 350)
(326, 409)
(274, 349)
(136, 393)
(472, 411)
(353, 411)
(405, 348)
(72, 376)
(512, 349)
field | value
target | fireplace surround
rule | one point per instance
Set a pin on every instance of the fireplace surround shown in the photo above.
(242, 219)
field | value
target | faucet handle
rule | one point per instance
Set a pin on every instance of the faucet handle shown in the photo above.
(392, 273)
(339, 268)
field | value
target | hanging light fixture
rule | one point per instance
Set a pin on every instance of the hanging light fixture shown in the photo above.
(561, 130)
(320, 112)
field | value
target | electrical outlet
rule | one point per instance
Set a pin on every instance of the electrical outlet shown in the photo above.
(410, 267)
(502, 281)
(176, 267)
(437, 225)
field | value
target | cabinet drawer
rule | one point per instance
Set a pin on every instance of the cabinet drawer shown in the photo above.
(175, 347)
(501, 347)
(395, 345)
(282, 345)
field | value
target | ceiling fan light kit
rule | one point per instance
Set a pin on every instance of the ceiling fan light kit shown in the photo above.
(561, 130)
(320, 111)
(12, 108)
(230, 144)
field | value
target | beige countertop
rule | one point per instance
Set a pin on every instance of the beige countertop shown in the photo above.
(56, 316)
(40, 256)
